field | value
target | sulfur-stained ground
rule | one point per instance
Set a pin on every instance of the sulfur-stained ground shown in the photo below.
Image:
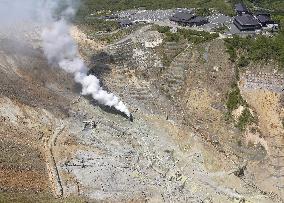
(178, 148)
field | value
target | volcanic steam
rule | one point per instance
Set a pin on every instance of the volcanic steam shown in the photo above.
(60, 48)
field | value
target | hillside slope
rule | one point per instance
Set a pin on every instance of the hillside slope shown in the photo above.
(177, 149)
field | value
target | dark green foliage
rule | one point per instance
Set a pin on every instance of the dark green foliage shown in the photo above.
(163, 29)
(263, 48)
(203, 12)
(90, 6)
(193, 36)
(100, 25)
(276, 6)
(232, 53)
(234, 98)
(256, 49)
(245, 119)
(172, 37)
(279, 18)
(243, 62)
(197, 37)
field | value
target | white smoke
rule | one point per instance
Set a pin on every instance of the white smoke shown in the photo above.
(60, 48)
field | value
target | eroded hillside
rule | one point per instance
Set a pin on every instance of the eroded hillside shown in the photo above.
(180, 147)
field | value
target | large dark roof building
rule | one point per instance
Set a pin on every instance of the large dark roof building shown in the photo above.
(186, 18)
(182, 17)
(198, 20)
(262, 13)
(263, 18)
(247, 23)
(241, 9)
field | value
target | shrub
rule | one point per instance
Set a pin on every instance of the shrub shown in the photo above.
(100, 25)
(172, 37)
(197, 37)
(234, 98)
(163, 29)
(203, 12)
(89, 6)
(193, 36)
(261, 48)
(245, 119)
(243, 62)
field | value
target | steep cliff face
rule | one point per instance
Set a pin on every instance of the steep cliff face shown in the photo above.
(178, 148)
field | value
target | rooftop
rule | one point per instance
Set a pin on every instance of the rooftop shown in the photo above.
(263, 18)
(246, 20)
(241, 7)
(198, 19)
(265, 13)
(183, 15)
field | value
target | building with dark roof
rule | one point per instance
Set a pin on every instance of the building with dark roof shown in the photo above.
(186, 18)
(247, 23)
(264, 20)
(262, 13)
(182, 17)
(198, 21)
(241, 9)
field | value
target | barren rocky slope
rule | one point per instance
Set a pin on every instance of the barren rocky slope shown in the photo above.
(178, 148)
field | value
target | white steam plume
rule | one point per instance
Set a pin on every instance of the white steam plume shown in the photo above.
(60, 48)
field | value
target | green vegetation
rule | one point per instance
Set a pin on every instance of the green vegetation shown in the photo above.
(276, 6)
(261, 48)
(243, 61)
(245, 119)
(234, 98)
(221, 29)
(169, 36)
(100, 25)
(163, 29)
(182, 36)
(115, 36)
(244, 50)
(196, 37)
(172, 37)
(107, 31)
(203, 12)
(279, 18)
(91, 6)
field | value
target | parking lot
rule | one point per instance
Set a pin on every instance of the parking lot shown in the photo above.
(161, 17)
(149, 16)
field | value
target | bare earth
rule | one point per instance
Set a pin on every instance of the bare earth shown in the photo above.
(179, 147)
